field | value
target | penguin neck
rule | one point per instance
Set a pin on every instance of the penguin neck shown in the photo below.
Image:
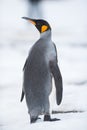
(46, 35)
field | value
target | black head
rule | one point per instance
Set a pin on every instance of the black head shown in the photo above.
(40, 24)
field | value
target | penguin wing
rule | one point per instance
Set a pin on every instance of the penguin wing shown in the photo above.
(25, 65)
(58, 80)
(22, 96)
(27, 59)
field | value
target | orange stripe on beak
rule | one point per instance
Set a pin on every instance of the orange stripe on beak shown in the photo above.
(31, 21)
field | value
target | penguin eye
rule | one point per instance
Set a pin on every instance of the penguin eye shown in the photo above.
(38, 24)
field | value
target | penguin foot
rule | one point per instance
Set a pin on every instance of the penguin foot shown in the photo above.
(34, 119)
(48, 118)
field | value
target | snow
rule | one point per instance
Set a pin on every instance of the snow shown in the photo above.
(69, 23)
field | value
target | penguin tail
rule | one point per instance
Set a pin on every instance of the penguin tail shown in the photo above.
(22, 96)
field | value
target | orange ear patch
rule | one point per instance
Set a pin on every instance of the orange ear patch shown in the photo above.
(44, 28)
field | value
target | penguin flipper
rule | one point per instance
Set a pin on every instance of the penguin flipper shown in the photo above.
(22, 96)
(25, 65)
(58, 80)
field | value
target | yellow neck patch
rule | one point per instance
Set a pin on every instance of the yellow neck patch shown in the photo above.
(44, 28)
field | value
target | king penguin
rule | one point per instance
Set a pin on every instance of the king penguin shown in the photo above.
(40, 66)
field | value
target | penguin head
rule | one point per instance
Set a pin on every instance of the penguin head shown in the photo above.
(40, 24)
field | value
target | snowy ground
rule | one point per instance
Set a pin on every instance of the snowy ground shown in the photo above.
(69, 23)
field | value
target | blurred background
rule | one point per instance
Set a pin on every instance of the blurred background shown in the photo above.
(68, 19)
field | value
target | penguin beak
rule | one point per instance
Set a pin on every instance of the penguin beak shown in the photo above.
(30, 20)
